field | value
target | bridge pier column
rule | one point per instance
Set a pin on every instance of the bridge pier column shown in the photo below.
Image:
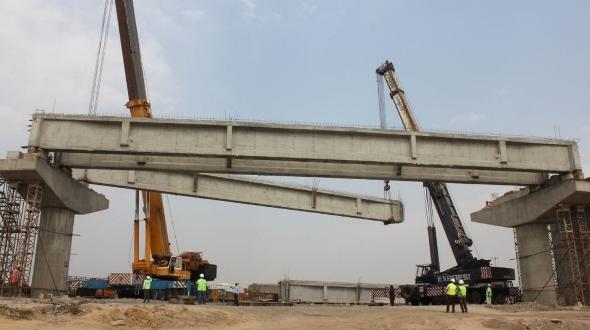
(52, 256)
(538, 281)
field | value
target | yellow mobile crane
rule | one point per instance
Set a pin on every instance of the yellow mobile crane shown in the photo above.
(158, 261)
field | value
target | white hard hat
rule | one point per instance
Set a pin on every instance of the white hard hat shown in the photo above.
(453, 280)
(148, 277)
(202, 275)
(460, 281)
(489, 284)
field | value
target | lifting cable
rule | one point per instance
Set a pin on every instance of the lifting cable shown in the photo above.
(102, 43)
(172, 223)
(428, 207)
(382, 125)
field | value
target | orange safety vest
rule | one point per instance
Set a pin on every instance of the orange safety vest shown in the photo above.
(14, 277)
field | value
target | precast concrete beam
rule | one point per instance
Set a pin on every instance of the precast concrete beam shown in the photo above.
(60, 190)
(526, 206)
(250, 191)
(231, 140)
(296, 168)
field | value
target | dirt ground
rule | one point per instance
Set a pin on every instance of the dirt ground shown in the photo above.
(128, 314)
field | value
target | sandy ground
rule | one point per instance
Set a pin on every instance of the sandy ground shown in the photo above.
(124, 314)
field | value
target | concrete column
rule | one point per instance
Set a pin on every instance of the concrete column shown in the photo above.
(538, 283)
(52, 255)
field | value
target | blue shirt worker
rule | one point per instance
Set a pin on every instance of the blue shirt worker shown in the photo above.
(236, 291)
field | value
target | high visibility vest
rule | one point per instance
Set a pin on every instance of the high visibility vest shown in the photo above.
(462, 290)
(14, 277)
(452, 289)
(488, 292)
(201, 284)
(147, 284)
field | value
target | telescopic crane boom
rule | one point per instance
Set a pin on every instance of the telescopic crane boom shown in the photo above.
(445, 207)
(158, 260)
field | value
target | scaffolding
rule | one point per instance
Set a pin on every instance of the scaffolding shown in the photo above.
(30, 229)
(19, 225)
(10, 210)
(573, 237)
(517, 258)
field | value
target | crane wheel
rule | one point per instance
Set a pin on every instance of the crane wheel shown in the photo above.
(408, 291)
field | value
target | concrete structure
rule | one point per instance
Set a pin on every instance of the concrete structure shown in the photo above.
(535, 259)
(60, 191)
(315, 148)
(327, 292)
(250, 191)
(296, 168)
(63, 197)
(553, 238)
(191, 146)
(52, 257)
(533, 205)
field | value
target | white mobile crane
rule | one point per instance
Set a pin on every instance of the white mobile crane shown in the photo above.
(478, 273)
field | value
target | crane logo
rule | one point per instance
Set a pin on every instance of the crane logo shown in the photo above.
(447, 278)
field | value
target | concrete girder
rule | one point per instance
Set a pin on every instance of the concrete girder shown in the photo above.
(523, 206)
(61, 191)
(232, 140)
(250, 191)
(294, 168)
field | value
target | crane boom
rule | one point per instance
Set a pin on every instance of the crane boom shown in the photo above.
(445, 207)
(157, 244)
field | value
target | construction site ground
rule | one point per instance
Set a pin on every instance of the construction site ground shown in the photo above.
(65, 313)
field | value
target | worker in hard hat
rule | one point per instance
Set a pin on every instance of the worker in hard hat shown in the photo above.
(451, 291)
(489, 294)
(462, 293)
(202, 289)
(236, 291)
(15, 280)
(147, 286)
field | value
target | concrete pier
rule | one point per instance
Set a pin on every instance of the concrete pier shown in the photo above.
(538, 281)
(52, 256)
(530, 211)
(63, 198)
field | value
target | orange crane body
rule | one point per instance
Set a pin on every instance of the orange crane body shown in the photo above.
(158, 260)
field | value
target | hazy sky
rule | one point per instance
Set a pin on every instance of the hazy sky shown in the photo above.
(494, 67)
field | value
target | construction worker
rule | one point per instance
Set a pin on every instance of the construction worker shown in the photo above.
(236, 291)
(489, 294)
(15, 280)
(202, 289)
(222, 295)
(451, 294)
(147, 286)
(391, 295)
(462, 293)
